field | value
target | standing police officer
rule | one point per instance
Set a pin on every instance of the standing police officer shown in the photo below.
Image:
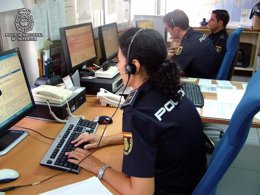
(164, 147)
(217, 25)
(195, 54)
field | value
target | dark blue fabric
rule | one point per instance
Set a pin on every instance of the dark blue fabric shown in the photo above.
(219, 39)
(198, 55)
(171, 150)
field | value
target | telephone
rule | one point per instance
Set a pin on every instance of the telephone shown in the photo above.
(108, 98)
(56, 95)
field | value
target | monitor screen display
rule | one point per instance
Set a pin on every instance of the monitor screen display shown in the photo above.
(78, 45)
(15, 95)
(108, 39)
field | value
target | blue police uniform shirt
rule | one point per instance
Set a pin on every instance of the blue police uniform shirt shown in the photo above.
(196, 55)
(163, 139)
(219, 40)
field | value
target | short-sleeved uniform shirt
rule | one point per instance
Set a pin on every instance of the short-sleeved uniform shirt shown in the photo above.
(219, 39)
(196, 55)
(163, 139)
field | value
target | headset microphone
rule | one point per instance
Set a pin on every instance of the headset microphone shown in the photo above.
(130, 68)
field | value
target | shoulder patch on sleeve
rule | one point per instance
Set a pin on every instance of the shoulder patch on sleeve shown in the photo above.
(128, 142)
(130, 99)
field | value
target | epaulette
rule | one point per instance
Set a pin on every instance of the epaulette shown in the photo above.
(130, 98)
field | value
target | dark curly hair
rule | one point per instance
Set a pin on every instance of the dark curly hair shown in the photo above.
(149, 48)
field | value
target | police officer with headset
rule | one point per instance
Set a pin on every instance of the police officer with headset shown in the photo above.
(164, 147)
(195, 54)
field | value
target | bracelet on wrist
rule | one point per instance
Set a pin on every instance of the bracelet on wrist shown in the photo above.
(101, 171)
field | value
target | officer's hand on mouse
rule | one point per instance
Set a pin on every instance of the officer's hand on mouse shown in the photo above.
(90, 140)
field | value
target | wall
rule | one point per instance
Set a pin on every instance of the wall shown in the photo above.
(27, 48)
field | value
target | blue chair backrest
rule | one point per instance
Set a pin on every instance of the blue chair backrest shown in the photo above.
(233, 139)
(231, 51)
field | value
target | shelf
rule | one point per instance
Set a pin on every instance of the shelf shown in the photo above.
(247, 36)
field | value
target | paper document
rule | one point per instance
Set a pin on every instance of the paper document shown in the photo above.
(232, 96)
(212, 88)
(205, 82)
(91, 186)
(225, 85)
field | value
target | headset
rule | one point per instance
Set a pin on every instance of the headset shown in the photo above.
(130, 68)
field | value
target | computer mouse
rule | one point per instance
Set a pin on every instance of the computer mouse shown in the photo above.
(7, 175)
(104, 120)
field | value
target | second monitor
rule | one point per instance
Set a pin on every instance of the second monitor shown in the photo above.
(108, 39)
(78, 45)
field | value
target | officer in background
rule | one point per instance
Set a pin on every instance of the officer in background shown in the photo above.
(195, 53)
(162, 133)
(217, 25)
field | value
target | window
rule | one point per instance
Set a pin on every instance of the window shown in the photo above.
(144, 7)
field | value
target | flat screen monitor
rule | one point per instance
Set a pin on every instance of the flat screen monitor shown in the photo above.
(108, 39)
(57, 56)
(151, 22)
(78, 45)
(15, 98)
(146, 24)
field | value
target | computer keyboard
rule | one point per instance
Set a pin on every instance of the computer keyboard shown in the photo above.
(193, 92)
(55, 156)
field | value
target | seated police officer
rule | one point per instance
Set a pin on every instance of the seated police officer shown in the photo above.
(164, 148)
(217, 25)
(195, 54)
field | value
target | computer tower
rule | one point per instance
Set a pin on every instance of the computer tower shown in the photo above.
(244, 54)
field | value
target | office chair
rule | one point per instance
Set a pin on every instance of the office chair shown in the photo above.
(226, 69)
(233, 139)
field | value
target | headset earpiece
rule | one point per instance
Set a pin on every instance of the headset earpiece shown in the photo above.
(130, 68)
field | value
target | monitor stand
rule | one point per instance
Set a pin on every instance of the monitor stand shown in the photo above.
(10, 140)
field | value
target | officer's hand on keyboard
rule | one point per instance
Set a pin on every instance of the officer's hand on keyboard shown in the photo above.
(90, 163)
(88, 141)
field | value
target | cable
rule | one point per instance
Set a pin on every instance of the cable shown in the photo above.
(103, 132)
(101, 137)
(70, 114)
(53, 114)
(32, 184)
(35, 132)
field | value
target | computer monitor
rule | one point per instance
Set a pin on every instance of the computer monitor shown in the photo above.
(16, 99)
(57, 56)
(151, 22)
(108, 39)
(146, 24)
(78, 45)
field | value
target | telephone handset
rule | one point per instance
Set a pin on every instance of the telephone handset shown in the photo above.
(108, 98)
(56, 95)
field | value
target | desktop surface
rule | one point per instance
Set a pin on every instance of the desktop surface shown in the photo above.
(26, 161)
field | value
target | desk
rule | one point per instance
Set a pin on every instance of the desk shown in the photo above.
(25, 157)
(213, 97)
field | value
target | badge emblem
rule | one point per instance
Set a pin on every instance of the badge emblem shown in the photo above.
(128, 142)
(218, 49)
(178, 50)
(24, 21)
